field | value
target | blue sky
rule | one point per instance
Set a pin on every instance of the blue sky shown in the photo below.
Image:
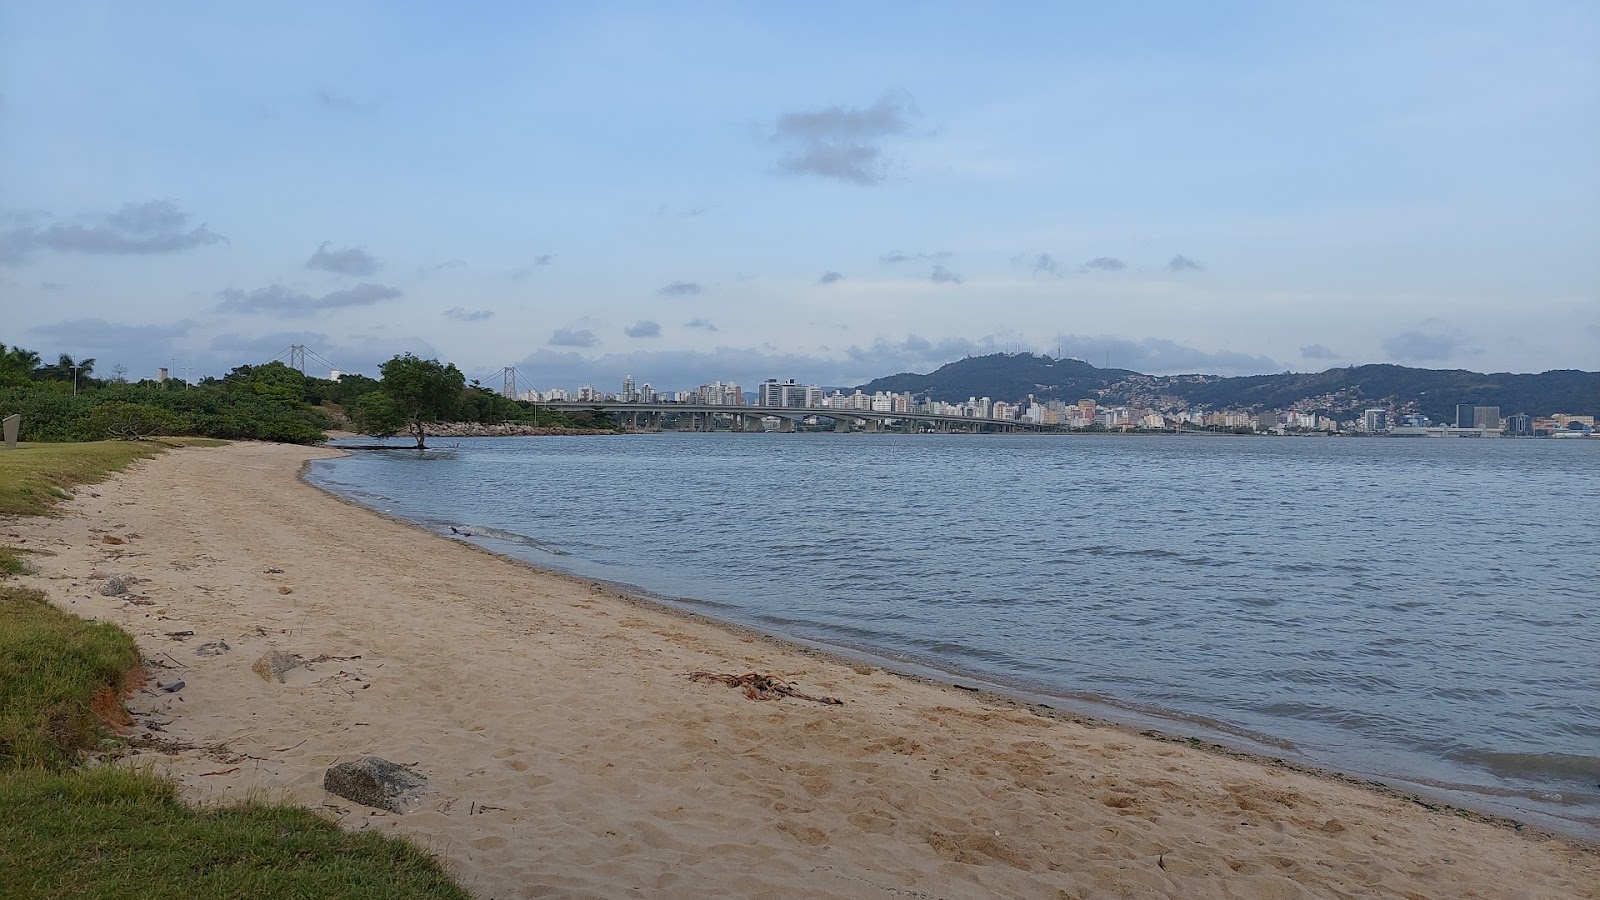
(826, 191)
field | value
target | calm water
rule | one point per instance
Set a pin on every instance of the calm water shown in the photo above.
(1422, 611)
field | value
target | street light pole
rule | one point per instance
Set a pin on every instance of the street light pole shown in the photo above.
(75, 380)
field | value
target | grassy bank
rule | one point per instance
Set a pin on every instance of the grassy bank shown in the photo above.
(107, 831)
(34, 477)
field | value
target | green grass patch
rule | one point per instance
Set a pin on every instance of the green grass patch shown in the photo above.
(110, 832)
(58, 674)
(34, 477)
(12, 563)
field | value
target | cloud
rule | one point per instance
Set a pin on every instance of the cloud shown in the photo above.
(1417, 345)
(895, 256)
(78, 335)
(841, 143)
(1183, 264)
(1045, 264)
(1112, 264)
(156, 226)
(693, 212)
(354, 261)
(941, 275)
(700, 323)
(285, 301)
(643, 329)
(539, 262)
(448, 264)
(461, 314)
(680, 289)
(830, 278)
(1318, 351)
(573, 337)
(337, 101)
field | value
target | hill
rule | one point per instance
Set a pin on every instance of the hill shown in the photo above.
(1341, 393)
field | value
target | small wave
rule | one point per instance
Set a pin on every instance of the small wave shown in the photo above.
(1539, 765)
(511, 537)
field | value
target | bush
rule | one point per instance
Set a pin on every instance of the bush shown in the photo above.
(116, 419)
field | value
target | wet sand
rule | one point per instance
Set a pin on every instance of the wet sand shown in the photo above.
(568, 755)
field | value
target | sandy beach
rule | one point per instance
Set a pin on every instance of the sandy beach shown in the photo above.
(568, 754)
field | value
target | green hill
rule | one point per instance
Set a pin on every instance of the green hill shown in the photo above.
(1342, 393)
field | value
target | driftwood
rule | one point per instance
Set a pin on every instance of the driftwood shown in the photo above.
(762, 687)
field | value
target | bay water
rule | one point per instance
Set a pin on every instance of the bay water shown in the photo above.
(1421, 612)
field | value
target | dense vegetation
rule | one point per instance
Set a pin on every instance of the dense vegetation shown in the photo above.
(67, 401)
(1338, 392)
(1004, 376)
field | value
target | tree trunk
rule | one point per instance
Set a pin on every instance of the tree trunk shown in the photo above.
(421, 433)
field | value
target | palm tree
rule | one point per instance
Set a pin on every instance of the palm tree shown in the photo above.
(17, 365)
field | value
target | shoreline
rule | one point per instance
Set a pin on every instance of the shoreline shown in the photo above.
(568, 754)
(1091, 710)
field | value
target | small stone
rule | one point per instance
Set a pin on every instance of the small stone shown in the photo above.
(376, 782)
(212, 648)
(272, 666)
(272, 570)
(112, 539)
(286, 590)
(117, 585)
(174, 687)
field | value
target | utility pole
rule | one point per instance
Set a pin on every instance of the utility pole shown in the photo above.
(75, 369)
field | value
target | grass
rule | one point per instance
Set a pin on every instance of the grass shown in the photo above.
(34, 477)
(12, 563)
(59, 675)
(110, 832)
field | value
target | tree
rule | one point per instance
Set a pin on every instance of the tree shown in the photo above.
(421, 390)
(17, 365)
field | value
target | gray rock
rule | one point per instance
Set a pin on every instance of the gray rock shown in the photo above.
(118, 586)
(212, 648)
(174, 687)
(376, 782)
(272, 665)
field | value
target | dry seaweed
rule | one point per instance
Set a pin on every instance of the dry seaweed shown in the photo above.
(762, 687)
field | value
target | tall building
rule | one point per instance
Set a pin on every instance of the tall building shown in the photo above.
(1464, 415)
(770, 393)
(1375, 420)
(629, 395)
(1486, 417)
(1519, 424)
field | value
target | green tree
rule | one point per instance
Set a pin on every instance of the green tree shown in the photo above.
(376, 414)
(17, 365)
(421, 389)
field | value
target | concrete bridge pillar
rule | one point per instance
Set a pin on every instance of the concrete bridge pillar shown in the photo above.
(841, 426)
(785, 424)
(874, 426)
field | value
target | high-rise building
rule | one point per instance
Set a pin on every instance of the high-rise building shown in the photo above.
(1464, 415)
(1519, 424)
(1375, 420)
(1486, 417)
(629, 395)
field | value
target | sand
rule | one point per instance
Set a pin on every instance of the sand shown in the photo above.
(567, 754)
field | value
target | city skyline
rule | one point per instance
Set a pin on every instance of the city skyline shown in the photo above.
(588, 193)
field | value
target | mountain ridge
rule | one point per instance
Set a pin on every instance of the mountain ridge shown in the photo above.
(1338, 392)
